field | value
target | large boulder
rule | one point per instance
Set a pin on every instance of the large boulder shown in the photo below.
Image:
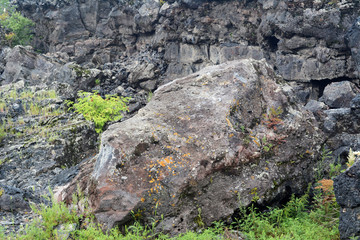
(226, 134)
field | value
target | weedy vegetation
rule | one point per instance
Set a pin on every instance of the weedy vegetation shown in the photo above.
(34, 108)
(298, 219)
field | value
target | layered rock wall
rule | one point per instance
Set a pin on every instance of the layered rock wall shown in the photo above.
(304, 40)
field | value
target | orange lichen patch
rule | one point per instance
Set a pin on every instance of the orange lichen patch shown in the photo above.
(160, 169)
(162, 163)
(228, 122)
(326, 185)
(168, 160)
(256, 142)
(189, 139)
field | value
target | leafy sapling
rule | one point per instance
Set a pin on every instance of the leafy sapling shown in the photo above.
(99, 110)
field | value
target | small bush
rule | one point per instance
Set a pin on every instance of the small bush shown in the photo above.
(99, 110)
(17, 27)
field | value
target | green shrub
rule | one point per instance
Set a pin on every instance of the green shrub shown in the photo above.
(99, 110)
(51, 216)
(17, 27)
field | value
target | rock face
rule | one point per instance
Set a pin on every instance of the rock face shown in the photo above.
(347, 190)
(303, 39)
(352, 39)
(226, 134)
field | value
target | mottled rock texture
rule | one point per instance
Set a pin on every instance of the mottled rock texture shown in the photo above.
(347, 190)
(303, 39)
(206, 141)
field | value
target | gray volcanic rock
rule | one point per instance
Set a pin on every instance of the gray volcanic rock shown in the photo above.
(347, 191)
(25, 67)
(206, 141)
(353, 42)
(339, 94)
(303, 40)
(12, 199)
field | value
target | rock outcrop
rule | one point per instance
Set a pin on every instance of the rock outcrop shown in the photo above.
(304, 39)
(40, 143)
(347, 190)
(226, 134)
